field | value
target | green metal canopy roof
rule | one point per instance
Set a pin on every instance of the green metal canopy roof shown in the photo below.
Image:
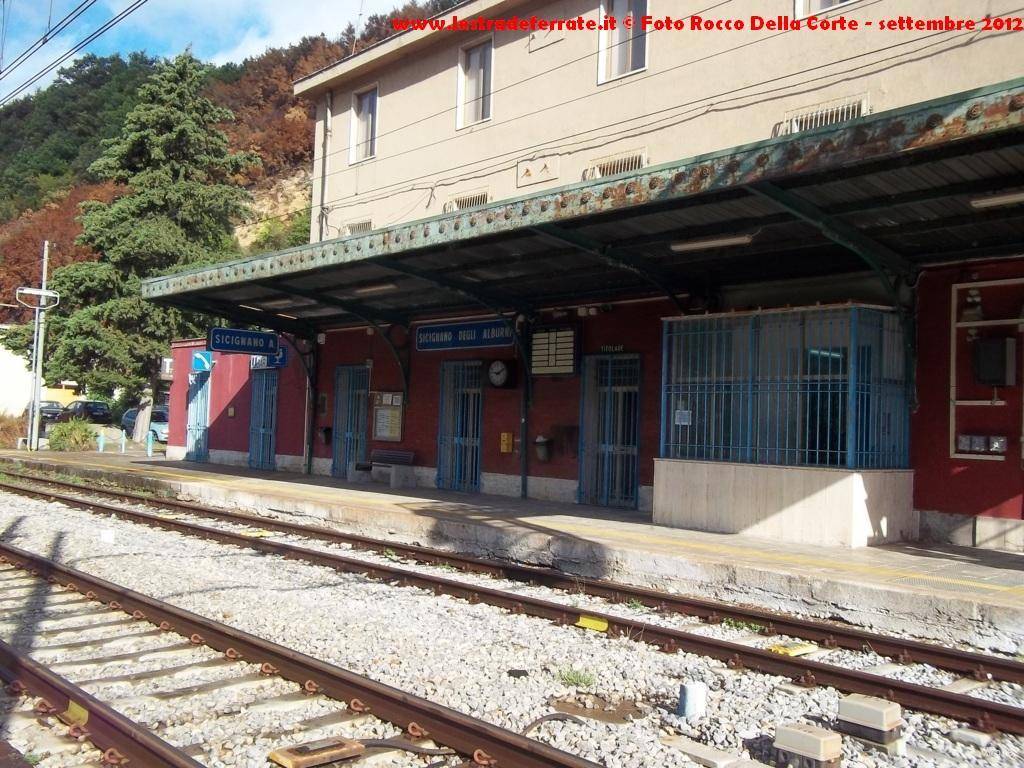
(893, 191)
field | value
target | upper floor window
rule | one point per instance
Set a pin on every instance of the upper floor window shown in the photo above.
(808, 7)
(364, 125)
(623, 49)
(475, 83)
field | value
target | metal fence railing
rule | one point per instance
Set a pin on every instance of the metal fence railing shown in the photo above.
(813, 387)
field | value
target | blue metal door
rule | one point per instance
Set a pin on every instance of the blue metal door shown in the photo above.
(197, 427)
(459, 426)
(263, 419)
(351, 406)
(609, 431)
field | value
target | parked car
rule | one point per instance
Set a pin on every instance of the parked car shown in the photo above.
(94, 411)
(128, 420)
(50, 409)
(157, 423)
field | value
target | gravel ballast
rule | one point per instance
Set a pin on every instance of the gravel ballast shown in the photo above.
(459, 654)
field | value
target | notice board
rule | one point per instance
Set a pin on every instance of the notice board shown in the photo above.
(387, 416)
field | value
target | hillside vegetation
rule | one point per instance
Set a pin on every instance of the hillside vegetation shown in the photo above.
(49, 139)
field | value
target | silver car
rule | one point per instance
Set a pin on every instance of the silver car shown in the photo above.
(157, 423)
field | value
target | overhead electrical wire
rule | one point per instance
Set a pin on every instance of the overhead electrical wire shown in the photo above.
(102, 29)
(59, 27)
(527, 79)
(622, 83)
(5, 13)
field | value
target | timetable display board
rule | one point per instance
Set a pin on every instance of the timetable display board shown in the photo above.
(554, 352)
(387, 416)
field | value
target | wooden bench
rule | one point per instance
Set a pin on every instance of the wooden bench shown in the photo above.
(391, 466)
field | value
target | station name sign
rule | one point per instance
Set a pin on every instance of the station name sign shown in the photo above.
(469, 335)
(246, 342)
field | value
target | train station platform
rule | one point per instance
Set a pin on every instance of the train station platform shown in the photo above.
(950, 594)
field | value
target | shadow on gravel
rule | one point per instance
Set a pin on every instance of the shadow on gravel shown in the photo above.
(760, 748)
(28, 615)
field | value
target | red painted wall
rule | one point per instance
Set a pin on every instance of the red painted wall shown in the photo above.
(965, 486)
(291, 407)
(636, 328)
(231, 399)
(181, 354)
(556, 400)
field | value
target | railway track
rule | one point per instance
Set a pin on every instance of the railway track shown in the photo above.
(238, 683)
(981, 713)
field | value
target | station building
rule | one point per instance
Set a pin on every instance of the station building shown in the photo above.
(636, 271)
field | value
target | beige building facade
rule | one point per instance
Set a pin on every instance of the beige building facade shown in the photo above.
(721, 298)
(429, 122)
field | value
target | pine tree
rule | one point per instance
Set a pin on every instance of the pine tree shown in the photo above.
(179, 211)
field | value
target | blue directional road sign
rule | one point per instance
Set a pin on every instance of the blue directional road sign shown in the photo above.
(237, 340)
(202, 361)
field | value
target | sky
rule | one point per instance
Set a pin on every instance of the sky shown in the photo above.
(217, 30)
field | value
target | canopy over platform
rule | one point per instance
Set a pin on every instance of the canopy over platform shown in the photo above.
(934, 182)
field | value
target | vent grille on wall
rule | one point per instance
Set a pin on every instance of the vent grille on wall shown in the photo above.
(359, 227)
(463, 202)
(826, 113)
(615, 164)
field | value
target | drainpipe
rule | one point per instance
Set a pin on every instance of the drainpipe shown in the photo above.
(325, 153)
(313, 376)
(524, 409)
(524, 448)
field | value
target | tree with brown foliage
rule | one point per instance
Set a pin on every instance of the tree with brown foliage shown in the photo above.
(21, 242)
(270, 120)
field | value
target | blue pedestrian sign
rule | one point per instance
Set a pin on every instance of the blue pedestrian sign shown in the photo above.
(237, 340)
(202, 361)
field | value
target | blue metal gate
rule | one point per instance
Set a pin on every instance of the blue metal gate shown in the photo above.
(609, 433)
(263, 419)
(351, 405)
(459, 426)
(809, 386)
(197, 427)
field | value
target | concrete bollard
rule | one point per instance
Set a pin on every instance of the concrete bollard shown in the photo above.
(101, 439)
(149, 444)
(876, 723)
(693, 700)
(124, 441)
(807, 746)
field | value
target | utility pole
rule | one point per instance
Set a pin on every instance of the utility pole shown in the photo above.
(41, 314)
(39, 305)
(355, 34)
(37, 388)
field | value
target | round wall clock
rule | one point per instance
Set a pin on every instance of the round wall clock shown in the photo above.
(499, 374)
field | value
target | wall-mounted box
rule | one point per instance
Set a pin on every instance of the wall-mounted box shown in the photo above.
(981, 443)
(995, 362)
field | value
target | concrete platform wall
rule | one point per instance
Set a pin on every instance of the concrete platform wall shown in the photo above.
(971, 531)
(854, 587)
(540, 488)
(805, 505)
